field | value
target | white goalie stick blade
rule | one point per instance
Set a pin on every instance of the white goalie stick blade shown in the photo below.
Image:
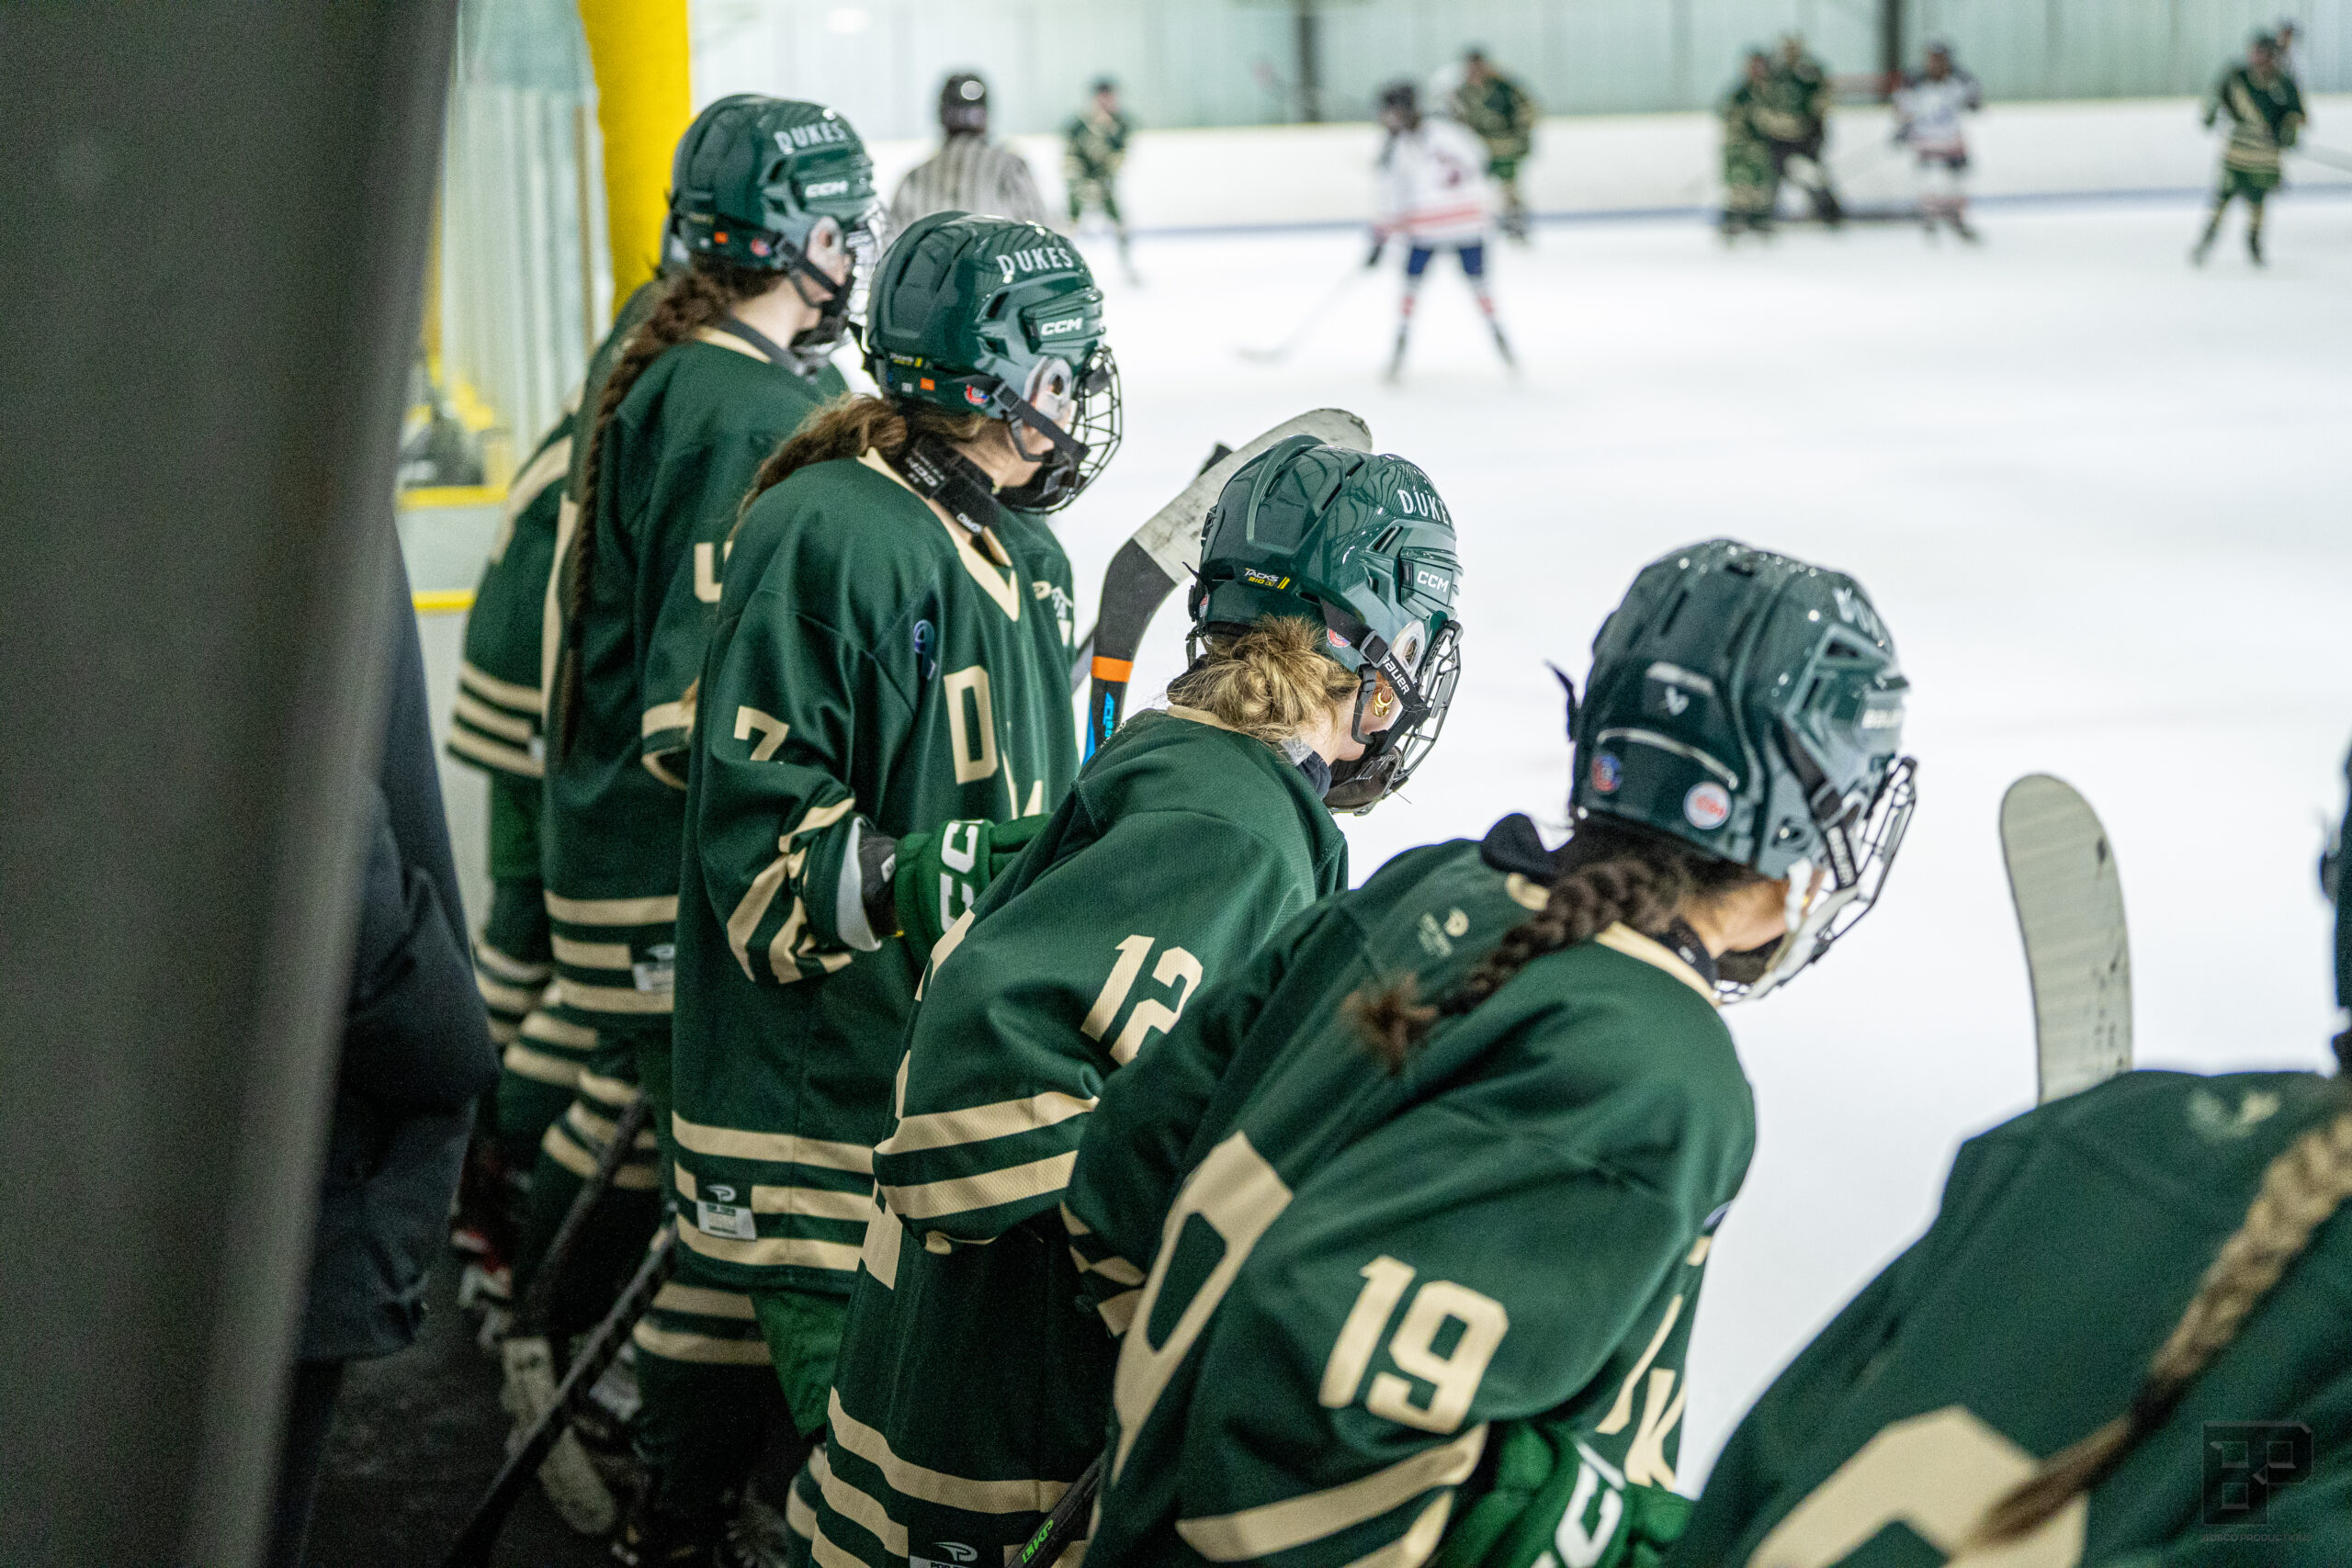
(2077, 952)
(1159, 554)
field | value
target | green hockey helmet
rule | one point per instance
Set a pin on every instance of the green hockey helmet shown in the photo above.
(992, 316)
(1752, 706)
(755, 181)
(1360, 546)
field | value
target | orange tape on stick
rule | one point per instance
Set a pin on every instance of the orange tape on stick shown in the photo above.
(1113, 669)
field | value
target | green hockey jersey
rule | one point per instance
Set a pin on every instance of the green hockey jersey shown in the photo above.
(1361, 1281)
(2068, 1243)
(2264, 116)
(676, 459)
(968, 1359)
(1501, 114)
(498, 721)
(1750, 178)
(872, 663)
(1095, 145)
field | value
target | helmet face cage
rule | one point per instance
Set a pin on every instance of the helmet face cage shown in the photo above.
(1424, 688)
(1081, 416)
(1391, 755)
(1827, 900)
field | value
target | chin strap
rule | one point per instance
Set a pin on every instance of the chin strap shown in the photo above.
(936, 471)
(1012, 407)
(802, 363)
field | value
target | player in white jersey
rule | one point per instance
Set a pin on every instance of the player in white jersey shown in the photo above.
(970, 173)
(1929, 111)
(1433, 179)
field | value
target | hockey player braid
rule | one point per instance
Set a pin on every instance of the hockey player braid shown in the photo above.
(1616, 876)
(2300, 1189)
(698, 297)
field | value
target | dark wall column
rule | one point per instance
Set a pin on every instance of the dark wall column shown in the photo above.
(217, 221)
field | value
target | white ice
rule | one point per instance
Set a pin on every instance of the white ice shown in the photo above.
(2100, 499)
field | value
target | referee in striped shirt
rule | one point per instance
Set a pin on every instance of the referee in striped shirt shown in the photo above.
(970, 173)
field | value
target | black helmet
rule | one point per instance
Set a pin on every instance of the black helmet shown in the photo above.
(1750, 706)
(964, 103)
(1399, 97)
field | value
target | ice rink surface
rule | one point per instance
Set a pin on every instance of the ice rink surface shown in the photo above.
(2100, 499)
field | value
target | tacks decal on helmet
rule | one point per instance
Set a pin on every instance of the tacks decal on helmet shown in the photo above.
(1360, 545)
(757, 180)
(1750, 705)
(987, 315)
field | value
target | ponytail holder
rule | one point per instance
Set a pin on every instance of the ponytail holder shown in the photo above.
(2152, 1406)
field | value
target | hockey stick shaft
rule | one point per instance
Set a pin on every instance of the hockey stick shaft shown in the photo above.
(1069, 1517)
(471, 1549)
(531, 1315)
(1308, 322)
(2327, 155)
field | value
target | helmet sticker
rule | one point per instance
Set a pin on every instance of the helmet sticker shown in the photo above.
(1607, 773)
(1707, 806)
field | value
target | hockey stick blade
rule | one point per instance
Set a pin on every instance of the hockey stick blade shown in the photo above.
(1157, 557)
(471, 1549)
(1069, 1519)
(2077, 952)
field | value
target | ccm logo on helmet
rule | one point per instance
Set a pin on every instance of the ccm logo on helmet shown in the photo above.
(826, 188)
(815, 133)
(1437, 582)
(1042, 258)
(1056, 329)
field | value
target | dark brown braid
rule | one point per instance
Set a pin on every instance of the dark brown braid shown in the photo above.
(1613, 875)
(852, 425)
(2308, 1180)
(697, 296)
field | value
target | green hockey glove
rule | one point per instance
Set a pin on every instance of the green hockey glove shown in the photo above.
(943, 872)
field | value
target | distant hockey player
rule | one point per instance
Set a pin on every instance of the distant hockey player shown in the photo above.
(2286, 35)
(1432, 192)
(1094, 145)
(1423, 1199)
(970, 173)
(1751, 175)
(1205, 828)
(1929, 111)
(1794, 117)
(2265, 112)
(1500, 113)
(2124, 1339)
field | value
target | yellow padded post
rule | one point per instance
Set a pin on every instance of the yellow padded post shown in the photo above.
(644, 100)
